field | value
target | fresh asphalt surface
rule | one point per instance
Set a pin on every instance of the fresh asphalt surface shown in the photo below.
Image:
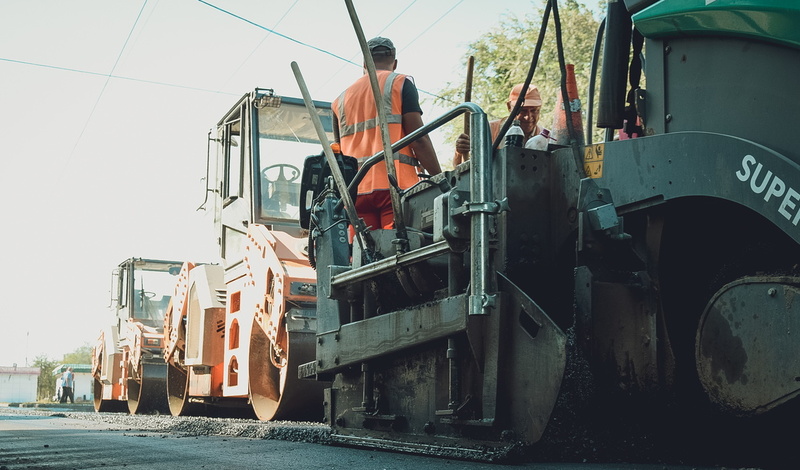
(74, 437)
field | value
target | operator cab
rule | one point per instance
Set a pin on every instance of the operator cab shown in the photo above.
(142, 289)
(286, 136)
(263, 143)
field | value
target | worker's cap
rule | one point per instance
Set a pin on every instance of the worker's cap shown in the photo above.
(532, 97)
(379, 44)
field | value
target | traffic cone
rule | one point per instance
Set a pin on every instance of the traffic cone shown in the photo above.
(560, 131)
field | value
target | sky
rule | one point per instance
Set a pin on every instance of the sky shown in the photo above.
(105, 107)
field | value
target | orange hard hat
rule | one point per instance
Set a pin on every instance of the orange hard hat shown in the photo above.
(532, 96)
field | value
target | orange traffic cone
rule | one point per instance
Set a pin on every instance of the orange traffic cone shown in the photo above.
(560, 131)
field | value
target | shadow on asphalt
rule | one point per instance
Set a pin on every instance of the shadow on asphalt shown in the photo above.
(86, 406)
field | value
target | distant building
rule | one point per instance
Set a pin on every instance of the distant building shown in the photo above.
(84, 382)
(18, 384)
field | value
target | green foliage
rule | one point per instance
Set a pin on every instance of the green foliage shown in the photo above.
(81, 355)
(504, 54)
(46, 384)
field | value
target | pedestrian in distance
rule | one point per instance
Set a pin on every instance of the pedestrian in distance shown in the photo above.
(359, 134)
(68, 386)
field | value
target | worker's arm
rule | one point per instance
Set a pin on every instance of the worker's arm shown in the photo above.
(422, 147)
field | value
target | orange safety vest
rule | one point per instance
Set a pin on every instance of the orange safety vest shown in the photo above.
(360, 134)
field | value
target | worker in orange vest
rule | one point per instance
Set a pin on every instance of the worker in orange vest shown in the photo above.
(359, 134)
(528, 116)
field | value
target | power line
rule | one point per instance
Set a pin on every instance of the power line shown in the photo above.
(398, 16)
(379, 33)
(102, 90)
(315, 47)
(277, 33)
(206, 90)
(118, 77)
(144, 23)
(432, 24)
(260, 43)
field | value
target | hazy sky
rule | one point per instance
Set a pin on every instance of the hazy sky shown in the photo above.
(105, 106)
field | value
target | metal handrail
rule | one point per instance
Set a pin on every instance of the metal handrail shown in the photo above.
(481, 191)
(475, 114)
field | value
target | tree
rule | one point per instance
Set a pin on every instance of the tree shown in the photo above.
(503, 56)
(81, 355)
(46, 384)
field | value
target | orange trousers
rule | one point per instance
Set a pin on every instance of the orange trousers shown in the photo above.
(376, 209)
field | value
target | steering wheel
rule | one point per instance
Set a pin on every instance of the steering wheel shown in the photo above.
(282, 173)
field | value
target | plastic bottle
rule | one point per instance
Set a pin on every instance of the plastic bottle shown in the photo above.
(514, 135)
(539, 142)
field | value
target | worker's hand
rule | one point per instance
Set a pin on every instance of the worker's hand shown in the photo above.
(462, 145)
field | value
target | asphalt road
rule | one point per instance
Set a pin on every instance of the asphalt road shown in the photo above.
(34, 442)
(55, 439)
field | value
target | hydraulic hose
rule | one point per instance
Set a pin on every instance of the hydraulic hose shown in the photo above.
(531, 70)
(616, 50)
(598, 42)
